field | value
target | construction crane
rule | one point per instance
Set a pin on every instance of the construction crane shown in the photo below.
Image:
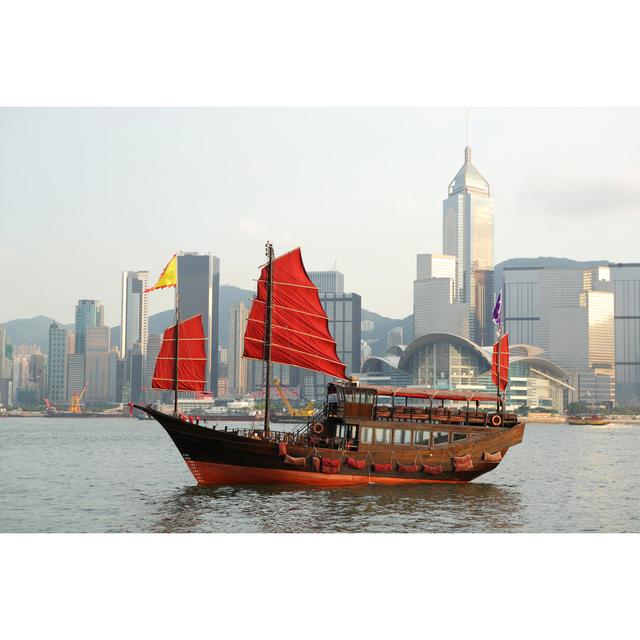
(75, 401)
(298, 413)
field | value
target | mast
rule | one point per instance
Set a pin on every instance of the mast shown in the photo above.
(175, 358)
(267, 336)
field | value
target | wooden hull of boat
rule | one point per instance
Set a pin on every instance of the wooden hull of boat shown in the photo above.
(224, 458)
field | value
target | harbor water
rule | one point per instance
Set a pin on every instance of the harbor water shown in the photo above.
(122, 475)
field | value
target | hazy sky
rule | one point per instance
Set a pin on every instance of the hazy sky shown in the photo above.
(87, 193)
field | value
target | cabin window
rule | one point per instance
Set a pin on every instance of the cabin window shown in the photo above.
(402, 436)
(421, 438)
(440, 437)
(366, 433)
(383, 436)
(459, 436)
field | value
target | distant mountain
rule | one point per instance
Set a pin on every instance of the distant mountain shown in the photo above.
(547, 263)
(36, 330)
(31, 331)
(378, 338)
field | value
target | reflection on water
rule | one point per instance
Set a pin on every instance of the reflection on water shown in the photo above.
(374, 508)
(126, 475)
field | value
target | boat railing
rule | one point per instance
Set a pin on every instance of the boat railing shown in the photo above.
(318, 416)
(438, 415)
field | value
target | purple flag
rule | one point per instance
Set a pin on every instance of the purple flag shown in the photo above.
(497, 310)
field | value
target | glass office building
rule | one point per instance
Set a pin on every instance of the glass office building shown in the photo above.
(468, 231)
(626, 285)
(89, 313)
(57, 364)
(199, 291)
(569, 314)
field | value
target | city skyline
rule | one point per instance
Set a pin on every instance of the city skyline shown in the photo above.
(341, 183)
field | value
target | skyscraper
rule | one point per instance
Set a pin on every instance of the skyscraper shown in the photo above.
(134, 316)
(344, 311)
(327, 281)
(626, 282)
(199, 290)
(4, 361)
(57, 364)
(238, 382)
(97, 364)
(153, 349)
(570, 314)
(435, 309)
(89, 313)
(468, 235)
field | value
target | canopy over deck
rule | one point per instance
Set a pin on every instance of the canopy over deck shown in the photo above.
(432, 394)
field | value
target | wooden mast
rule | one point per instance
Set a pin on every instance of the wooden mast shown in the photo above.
(267, 337)
(175, 358)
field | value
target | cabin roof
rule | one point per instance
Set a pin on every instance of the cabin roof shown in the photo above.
(433, 394)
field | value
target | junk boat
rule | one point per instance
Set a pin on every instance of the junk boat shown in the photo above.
(361, 434)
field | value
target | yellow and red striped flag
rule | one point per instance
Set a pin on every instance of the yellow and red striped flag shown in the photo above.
(168, 277)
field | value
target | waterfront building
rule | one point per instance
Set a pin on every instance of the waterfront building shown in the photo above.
(38, 373)
(237, 368)
(134, 311)
(445, 361)
(97, 347)
(23, 390)
(384, 370)
(57, 364)
(6, 393)
(112, 385)
(121, 394)
(199, 291)
(625, 279)
(434, 309)
(5, 369)
(75, 375)
(72, 342)
(89, 313)
(137, 389)
(153, 349)
(327, 281)
(569, 314)
(223, 387)
(468, 232)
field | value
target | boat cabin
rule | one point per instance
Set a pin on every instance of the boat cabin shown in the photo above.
(362, 417)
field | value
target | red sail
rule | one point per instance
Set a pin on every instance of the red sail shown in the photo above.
(299, 329)
(192, 357)
(503, 346)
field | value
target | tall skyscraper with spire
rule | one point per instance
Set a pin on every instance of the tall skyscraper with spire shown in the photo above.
(468, 235)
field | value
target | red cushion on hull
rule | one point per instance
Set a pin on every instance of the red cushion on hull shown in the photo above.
(432, 471)
(408, 468)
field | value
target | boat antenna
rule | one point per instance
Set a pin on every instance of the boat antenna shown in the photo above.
(175, 358)
(267, 336)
